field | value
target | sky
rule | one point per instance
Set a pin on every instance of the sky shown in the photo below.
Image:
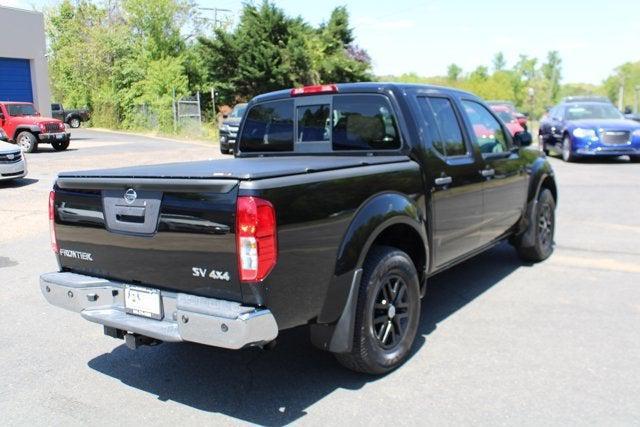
(402, 36)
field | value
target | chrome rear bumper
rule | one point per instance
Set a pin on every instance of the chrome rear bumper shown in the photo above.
(187, 317)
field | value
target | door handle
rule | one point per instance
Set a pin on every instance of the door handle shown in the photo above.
(487, 173)
(444, 180)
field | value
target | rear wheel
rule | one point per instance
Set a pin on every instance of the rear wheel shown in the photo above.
(387, 315)
(27, 141)
(542, 225)
(60, 145)
(74, 122)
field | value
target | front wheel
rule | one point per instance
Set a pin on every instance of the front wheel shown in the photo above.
(60, 145)
(567, 152)
(74, 122)
(27, 141)
(387, 315)
(542, 225)
(543, 145)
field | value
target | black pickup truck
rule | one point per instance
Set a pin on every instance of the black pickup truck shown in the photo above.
(71, 117)
(341, 201)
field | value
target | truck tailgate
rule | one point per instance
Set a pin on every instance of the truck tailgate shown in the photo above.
(164, 233)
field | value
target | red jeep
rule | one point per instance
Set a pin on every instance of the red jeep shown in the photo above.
(23, 125)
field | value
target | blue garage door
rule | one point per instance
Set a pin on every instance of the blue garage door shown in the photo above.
(15, 80)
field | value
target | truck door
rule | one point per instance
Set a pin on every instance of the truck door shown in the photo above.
(452, 179)
(503, 171)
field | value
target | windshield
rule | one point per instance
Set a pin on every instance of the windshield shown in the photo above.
(592, 111)
(21, 110)
(238, 111)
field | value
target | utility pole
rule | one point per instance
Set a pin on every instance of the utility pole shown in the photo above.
(215, 11)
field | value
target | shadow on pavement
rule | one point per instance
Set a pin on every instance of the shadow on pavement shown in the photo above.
(49, 149)
(17, 183)
(275, 387)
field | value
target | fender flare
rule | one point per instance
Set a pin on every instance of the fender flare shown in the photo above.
(372, 218)
(21, 128)
(70, 116)
(336, 322)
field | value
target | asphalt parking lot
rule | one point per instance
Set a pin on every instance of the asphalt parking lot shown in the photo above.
(500, 342)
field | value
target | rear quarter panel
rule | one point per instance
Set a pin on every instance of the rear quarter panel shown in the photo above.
(313, 214)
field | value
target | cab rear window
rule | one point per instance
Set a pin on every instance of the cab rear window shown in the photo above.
(343, 122)
(268, 127)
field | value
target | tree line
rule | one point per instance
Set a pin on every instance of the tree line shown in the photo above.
(128, 59)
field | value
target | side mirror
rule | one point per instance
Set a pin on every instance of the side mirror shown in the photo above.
(628, 110)
(522, 139)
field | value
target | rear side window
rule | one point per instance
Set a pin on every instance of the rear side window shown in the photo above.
(363, 122)
(268, 127)
(443, 126)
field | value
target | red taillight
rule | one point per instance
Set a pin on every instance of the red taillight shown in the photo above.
(313, 90)
(255, 238)
(52, 217)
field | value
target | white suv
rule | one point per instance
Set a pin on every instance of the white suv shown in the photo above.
(12, 162)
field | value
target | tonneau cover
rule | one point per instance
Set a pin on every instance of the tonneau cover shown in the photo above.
(238, 168)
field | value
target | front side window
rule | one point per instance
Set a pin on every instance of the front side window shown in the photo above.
(268, 127)
(313, 123)
(363, 122)
(21, 110)
(487, 131)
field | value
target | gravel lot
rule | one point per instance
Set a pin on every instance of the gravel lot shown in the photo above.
(500, 342)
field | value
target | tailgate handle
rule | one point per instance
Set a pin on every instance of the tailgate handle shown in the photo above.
(130, 214)
(137, 215)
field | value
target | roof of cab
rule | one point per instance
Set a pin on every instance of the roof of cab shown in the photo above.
(372, 87)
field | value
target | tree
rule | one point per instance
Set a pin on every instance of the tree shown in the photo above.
(453, 72)
(499, 63)
(552, 72)
(269, 50)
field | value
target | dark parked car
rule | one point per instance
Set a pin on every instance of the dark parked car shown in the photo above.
(589, 129)
(71, 117)
(341, 202)
(229, 129)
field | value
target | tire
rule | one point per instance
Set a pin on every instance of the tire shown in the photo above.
(567, 154)
(543, 145)
(60, 146)
(27, 141)
(543, 218)
(382, 338)
(74, 122)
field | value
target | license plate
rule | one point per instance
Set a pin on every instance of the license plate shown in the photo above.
(143, 302)
(59, 136)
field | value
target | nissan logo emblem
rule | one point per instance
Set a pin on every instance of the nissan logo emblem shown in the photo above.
(130, 196)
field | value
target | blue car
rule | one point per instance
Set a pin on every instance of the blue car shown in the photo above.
(589, 129)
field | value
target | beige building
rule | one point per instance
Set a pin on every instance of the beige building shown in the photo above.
(23, 66)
